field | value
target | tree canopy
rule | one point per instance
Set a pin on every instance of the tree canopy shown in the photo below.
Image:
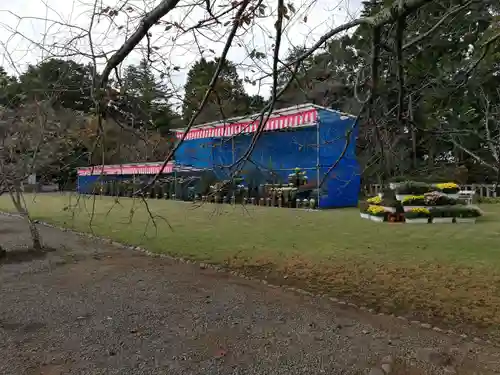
(227, 99)
(435, 104)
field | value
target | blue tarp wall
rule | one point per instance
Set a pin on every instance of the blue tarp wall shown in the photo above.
(278, 153)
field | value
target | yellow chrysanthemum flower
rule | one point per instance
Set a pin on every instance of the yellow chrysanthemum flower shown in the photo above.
(374, 200)
(413, 197)
(421, 210)
(375, 209)
(447, 185)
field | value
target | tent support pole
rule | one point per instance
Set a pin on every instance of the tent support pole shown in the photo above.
(232, 147)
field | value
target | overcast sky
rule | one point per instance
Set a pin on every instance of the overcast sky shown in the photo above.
(31, 30)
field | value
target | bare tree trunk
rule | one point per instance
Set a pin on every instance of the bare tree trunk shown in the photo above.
(413, 134)
(20, 206)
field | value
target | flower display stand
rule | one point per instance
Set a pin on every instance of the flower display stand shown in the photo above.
(442, 220)
(364, 215)
(420, 203)
(420, 220)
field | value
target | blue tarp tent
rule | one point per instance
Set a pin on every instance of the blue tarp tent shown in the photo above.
(309, 137)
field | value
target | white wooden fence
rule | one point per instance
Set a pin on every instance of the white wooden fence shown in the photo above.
(482, 190)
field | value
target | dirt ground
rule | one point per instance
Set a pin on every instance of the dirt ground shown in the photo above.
(92, 308)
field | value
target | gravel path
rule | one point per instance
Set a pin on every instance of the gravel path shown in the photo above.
(91, 308)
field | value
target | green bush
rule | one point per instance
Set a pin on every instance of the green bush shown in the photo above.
(414, 188)
(443, 211)
(465, 212)
(489, 200)
(418, 213)
(414, 200)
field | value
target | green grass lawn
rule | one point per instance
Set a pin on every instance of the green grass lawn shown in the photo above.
(449, 272)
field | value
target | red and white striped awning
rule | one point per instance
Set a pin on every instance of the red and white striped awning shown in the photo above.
(301, 118)
(147, 168)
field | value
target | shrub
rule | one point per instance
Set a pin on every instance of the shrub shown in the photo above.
(414, 188)
(489, 200)
(418, 213)
(398, 179)
(466, 212)
(443, 211)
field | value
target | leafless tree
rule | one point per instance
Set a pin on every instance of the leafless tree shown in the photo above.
(34, 138)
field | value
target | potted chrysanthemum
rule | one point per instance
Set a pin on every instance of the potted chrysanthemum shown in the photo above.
(413, 201)
(441, 215)
(377, 213)
(375, 200)
(451, 189)
(437, 198)
(411, 188)
(363, 210)
(387, 204)
(417, 215)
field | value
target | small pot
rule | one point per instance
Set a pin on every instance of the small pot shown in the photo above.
(417, 220)
(442, 220)
(465, 220)
(378, 219)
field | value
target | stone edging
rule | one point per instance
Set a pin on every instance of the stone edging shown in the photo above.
(217, 268)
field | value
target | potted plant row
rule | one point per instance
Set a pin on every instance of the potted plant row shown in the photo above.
(442, 215)
(429, 200)
(411, 202)
(418, 215)
(363, 210)
(466, 214)
(410, 188)
(457, 214)
(377, 213)
(451, 189)
(386, 204)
